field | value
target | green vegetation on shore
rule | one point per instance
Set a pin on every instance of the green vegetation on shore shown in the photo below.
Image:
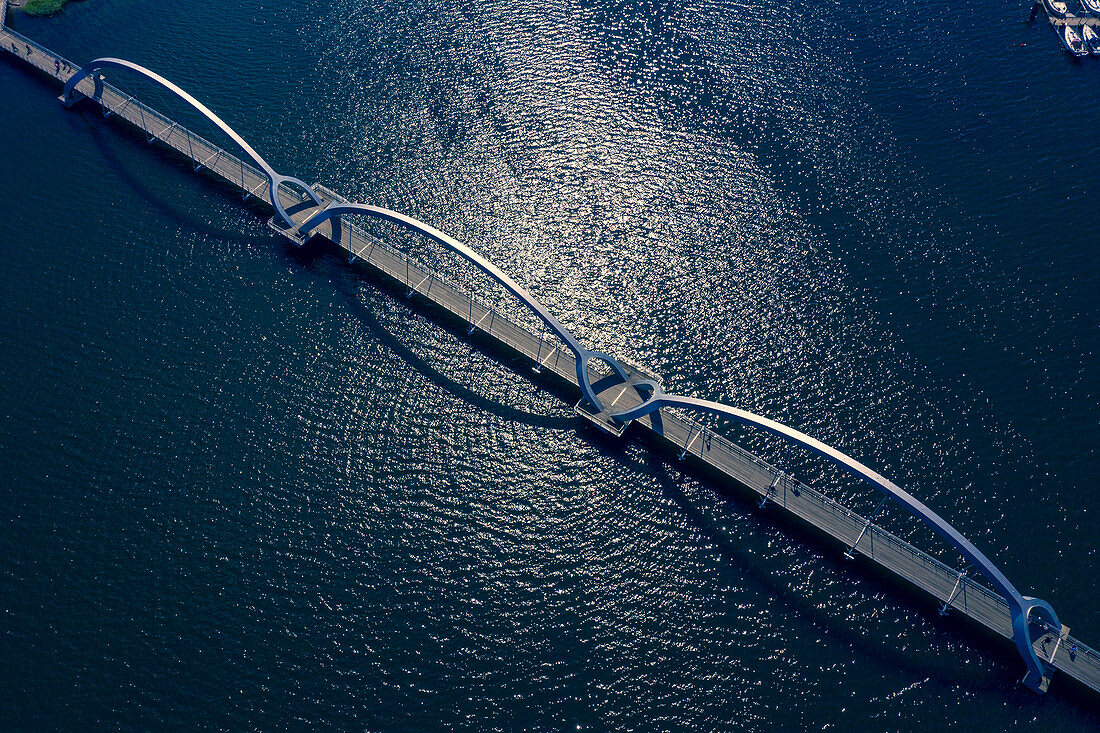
(43, 7)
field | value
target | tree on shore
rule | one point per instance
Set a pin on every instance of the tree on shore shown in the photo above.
(43, 7)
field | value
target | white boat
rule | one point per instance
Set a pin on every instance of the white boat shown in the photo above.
(1091, 39)
(1071, 39)
(1057, 7)
(1093, 6)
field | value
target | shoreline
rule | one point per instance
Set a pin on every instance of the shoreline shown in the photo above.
(39, 8)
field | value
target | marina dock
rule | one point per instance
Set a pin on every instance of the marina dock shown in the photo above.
(1060, 21)
(1074, 20)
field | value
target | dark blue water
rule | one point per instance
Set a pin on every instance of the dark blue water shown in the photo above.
(244, 487)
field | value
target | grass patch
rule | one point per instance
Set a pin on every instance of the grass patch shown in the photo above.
(43, 7)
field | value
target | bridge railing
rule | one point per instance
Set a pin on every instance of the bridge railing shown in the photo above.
(39, 56)
(951, 586)
(414, 274)
(794, 495)
(202, 152)
(420, 278)
(426, 280)
(455, 297)
(252, 181)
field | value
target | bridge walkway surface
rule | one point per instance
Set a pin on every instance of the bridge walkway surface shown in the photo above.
(857, 533)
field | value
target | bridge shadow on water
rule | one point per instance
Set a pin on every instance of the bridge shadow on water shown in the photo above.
(745, 566)
(90, 121)
(879, 653)
(999, 667)
(153, 154)
(308, 257)
(742, 564)
(883, 653)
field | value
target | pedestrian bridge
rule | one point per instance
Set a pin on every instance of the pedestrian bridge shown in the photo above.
(613, 394)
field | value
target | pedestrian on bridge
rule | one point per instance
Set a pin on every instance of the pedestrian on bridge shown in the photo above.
(57, 67)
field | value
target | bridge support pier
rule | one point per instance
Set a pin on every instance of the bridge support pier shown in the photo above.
(1039, 671)
(290, 232)
(71, 96)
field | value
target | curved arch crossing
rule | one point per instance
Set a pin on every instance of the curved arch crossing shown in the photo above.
(580, 354)
(1020, 606)
(274, 179)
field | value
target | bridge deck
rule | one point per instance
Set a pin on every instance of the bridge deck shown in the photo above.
(942, 582)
